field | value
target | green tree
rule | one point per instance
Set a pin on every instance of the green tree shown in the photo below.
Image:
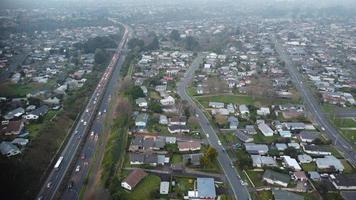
(100, 56)
(292, 152)
(191, 43)
(175, 35)
(155, 107)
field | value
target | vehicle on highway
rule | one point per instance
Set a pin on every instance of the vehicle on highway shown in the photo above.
(49, 184)
(99, 113)
(219, 142)
(196, 115)
(58, 163)
(82, 120)
(77, 169)
(85, 123)
(87, 110)
(76, 131)
(322, 128)
(70, 185)
(104, 111)
(92, 134)
(83, 156)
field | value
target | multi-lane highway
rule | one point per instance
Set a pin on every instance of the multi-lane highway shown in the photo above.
(313, 106)
(91, 120)
(239, 190)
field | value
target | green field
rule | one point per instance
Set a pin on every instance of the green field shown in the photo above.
(183, 185)
(176, 158)
(146, 189)
(35, 128)
(261, 139)
(265, 195)
(309, 167)
(256, 177)
(349, 135)
(348, 168)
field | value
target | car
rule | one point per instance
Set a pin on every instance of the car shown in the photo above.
(322, 128)
(87, 110)
(76, 132)
(219, 142)
(104, 111)
(70, 185)
(82, 120)
(99, 113)
(91, 133)
(49, 184)
(196, 115)
(83, 156)
(77, 169)
(85, 123)
(94, 102)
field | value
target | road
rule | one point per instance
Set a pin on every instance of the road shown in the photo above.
(97, 101)
(314, 108)
(239, 190)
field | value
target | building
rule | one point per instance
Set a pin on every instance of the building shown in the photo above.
(276, 178)
(316, 150)
(178, 129)
(281, 146)
(305, 158)
(192, 159)
(189, 146)
(206, 188)
(163, 119)
(308, 136)
(252, 148)
(291, 163)
(243, 137)
(329, 163)
(265, 129)
(344, 181)
(141, 121)
(141, 102)
(244, 109)
(294, 125)
(14, 113)
(315, 176)
(35, 114)
(133, 179)
(11, 128)
(216, 105)
(300, 176)
(251, 129)
(263, 111)
(8, 149)
(168, 101)
(261, 161)
(164, 187)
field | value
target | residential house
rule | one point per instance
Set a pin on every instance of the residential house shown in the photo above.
(164, 187)
(260, 149)
(315, 176)
(35, 114)
(243, 137)
(178, 129)
(233, 122)
(265, 129)
(300, 176)
(192, 159)
(250, 129)
(261, 161)
(141, 102)
(329, 163)
(189, 146)
(14, 113)
(281, 146)
(141, 121)
(263, 111)
(291, 163)
(308, 136)
(20, 141)
(244, 109)
(168, 101)
(133, 179)
(7, 149)
(316, 150)
(11, 128)
(305, 158)
(216, 105)
(205, 189)
(283, 195)
(200, 89)
(276, 178)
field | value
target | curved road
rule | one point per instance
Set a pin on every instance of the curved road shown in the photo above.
(239, 190)
(314, 107)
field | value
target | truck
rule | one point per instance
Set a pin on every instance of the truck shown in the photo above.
(58, 163)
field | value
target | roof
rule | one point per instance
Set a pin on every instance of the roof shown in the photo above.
(309, 135)
(7, 147)
(206, 188)
(252, 147)
(348, 195)
(314, 175)
(135, 177)
(164, 187)
(276, 176)
(189, 144)
(347, 180)
(40, 111)
(142, 117)
(12, 126)
(330, 161)
(281, 146)
(304, 158)
(283, 195)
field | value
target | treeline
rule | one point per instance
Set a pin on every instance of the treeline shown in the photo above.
(99, 42)
(190, 43)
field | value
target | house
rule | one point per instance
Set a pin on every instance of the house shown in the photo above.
(305, 158)
(221, 111)
(316, 150)
(141, 121)
(164, 187)
(144, 90)
(250, 129)
(178, 120)
(265, 129)
(141, 102)
(216, 105)
(344, 181)
(276, 178)
(283, 195)
(200, 89)
(291, 163)
(233, 122)
(308, 136)
(178, 129)
(260, 149)
(39, 112)
(329, 163)
(315, 176)
(244, 109)
(243, 137)
(261, 161)
(52, 101)
(171, 140)
(192, 159)
(133, 179)
(294, 145)
(20, 141)
(263, 111)
(163, 119)
(294, 125)
(168, 101)
(300, 176)
(285, 133)
(206, 188)
(7, 149)
(14, 113)
(11, 128)
(189, 146)
(281, 146)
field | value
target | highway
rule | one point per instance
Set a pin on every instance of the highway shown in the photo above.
(314, 108)
(98, 103)
(239, 190)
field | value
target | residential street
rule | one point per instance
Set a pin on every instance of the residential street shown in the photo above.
(240, 191)
(314, 108)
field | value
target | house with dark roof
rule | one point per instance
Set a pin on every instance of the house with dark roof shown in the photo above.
(8, 149)
(35, 114)
(308, 136)
(344, 181)
(283, 195)
(134, 178)
(14, 113)
(192, 159)
(276, 178)
(11, 128)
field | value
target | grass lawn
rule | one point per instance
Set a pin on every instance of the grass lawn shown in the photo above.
(177, 158)
(192, 91)
(309, 167)
(265, 195)
(15, 90)
(333, 196)
(348, 168)
(228, 138)
(240, 99)
(328, 108)
(145, 189)
(154, 95)
(259, 138)
(35, 128)
(183, 185)
(256, 177)
(349, 135)
(344, 122)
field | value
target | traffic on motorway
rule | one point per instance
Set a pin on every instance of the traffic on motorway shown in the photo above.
(78, 136)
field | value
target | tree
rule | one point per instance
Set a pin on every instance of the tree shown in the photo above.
(100, 56)
(136, 43)
(134, 92)
(154, 45)
(191, 43)
(174, 35)
(155, 107)
(292, 152)
(211, 153)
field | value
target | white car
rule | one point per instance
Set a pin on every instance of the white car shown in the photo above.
(49, 184)
(82, 120)
(99, 113)
(77, 169)
(85, 123)
(219, 142)
(87, 110)
(104, 110)
(92, 134)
